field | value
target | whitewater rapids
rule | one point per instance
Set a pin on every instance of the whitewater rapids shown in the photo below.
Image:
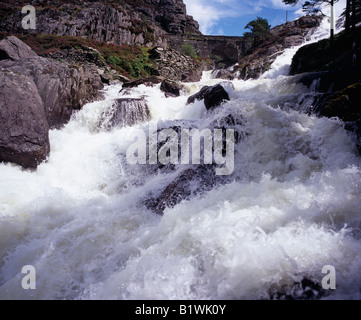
(291, 207)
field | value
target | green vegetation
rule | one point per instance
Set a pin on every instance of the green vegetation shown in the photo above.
(260, 31)
(189, 50)
(133, 62)
(215, 57)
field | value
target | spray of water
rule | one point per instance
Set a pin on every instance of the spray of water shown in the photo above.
(291, 206)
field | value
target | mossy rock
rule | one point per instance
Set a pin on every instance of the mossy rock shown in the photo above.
(344, 104)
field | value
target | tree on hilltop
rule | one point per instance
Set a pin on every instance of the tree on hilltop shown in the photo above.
(259, 30)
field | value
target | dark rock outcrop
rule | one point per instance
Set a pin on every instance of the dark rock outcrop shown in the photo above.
(339, 59)
(344, 104)
(335, 67)
(212, 96)
(171, 88)
(24, 129)
(124, 112)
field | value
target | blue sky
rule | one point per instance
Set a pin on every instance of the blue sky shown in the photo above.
(229, 17)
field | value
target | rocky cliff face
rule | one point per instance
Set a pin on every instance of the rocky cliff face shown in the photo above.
(260, 59)
(37, 94)
(141, 22)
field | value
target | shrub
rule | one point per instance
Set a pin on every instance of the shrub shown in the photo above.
(189, 50)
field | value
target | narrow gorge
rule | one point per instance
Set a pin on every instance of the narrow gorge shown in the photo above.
(78, 98)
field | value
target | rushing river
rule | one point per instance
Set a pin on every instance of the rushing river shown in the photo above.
(291, 206)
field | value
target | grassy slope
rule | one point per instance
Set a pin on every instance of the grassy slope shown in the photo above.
(133, 62)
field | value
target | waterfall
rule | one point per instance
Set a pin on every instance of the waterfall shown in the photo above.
(291, 206)
(124, 112)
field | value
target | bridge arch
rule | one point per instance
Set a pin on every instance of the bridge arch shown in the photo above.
(227, 54)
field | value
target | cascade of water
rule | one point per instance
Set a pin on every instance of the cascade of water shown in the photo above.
(291, 206)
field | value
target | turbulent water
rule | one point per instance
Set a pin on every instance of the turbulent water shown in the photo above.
(291, 206)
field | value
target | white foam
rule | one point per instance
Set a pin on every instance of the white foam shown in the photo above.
(293, 207)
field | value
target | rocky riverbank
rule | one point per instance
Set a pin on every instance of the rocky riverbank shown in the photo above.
(334, 69)
(259, 60)
(38, 94)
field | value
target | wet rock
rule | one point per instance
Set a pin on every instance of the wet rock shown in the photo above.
(125, 112)
(189, 183)
(225, 74)
(105, 78)
(148, 82)
(344, 104)
(355, 128)
(306, 289)
(171, 88)
(24, 130)
(212, 96)
(14, 49)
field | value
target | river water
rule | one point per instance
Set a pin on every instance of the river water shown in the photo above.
(291, 207)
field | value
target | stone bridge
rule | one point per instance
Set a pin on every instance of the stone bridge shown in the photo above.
(224, 50)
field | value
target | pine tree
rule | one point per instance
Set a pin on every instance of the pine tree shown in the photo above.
(260, 30)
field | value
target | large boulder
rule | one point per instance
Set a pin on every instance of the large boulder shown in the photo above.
(62, 87)
(171, 88)
(212, 96)
(24, 129)
(14, 49)
(37, 94)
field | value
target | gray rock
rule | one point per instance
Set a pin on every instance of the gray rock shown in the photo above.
(124, 112)
(14, 49)
(224, 74)
(63, 88)
(176, 66)
(141, 22)
(171, 88)
(24, 130)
